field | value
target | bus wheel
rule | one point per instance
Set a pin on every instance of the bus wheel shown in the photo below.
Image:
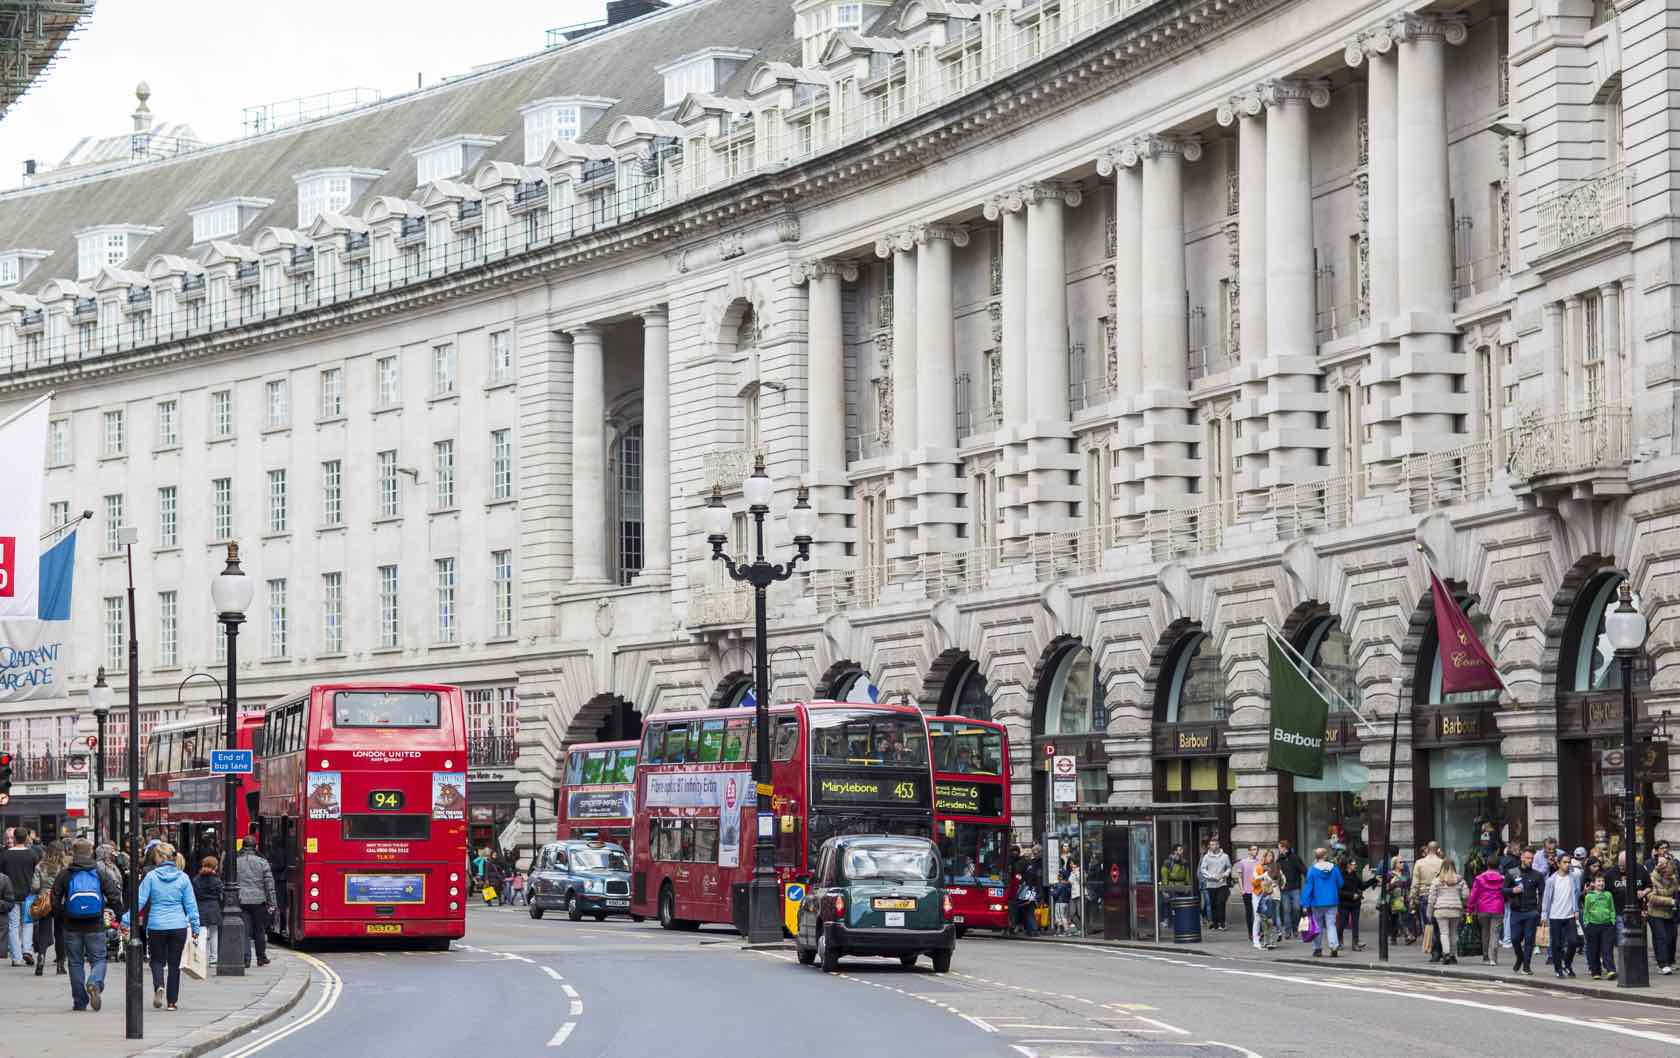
(574, 910)
(961, 930)
(941, 962)
(638, 918)
(437, 944)
(667, 909)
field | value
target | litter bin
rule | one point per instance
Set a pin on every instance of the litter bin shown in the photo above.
(1186, 919)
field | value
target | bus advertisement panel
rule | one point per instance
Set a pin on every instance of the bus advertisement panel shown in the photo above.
(836, 768)
(971, 811)
(363, 811)
(597, 794)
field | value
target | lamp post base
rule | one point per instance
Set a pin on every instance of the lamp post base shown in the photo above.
(134, 984)
(230, 957)
(764, 910)
(1633, 966)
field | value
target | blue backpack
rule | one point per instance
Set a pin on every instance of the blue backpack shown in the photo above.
(85, 894)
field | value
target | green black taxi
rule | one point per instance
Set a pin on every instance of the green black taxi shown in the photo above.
(580, 878)
(876, 894)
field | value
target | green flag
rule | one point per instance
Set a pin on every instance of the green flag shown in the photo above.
(1299, 713)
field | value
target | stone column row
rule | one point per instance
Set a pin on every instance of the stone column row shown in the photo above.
(826, 388)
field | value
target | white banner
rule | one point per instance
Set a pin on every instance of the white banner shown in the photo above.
(34, 656)
(23, 439)
(689, 790)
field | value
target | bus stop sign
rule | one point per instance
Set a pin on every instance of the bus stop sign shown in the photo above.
(230, 762)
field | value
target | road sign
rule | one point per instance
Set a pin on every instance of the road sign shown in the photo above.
(1066, 791)
(230, 762)
(93, 742)
(75, 766)
(76, 797)
(1049, 749)
(1065, 767)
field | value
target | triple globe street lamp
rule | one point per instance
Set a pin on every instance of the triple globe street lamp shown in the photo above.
(1625, 627)
(764, 919)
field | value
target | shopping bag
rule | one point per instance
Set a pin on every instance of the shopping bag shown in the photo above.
(1043, 916)
(196, 959)
(489, 894)
(1544, 938)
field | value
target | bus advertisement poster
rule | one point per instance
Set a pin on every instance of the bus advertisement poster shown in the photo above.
(326, 794)
(449, 795)
(732, 794)
(691, 789)
(600, 804)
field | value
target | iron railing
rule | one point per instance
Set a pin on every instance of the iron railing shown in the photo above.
(1585, 211)
(491, 750)
(1575, 441)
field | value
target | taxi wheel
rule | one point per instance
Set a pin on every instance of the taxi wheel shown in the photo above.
(827, 954)
(941, 962)
(907, 960)
(806, 956)
(961, 932)
(536, 912)
(574, 910)
(600, 916)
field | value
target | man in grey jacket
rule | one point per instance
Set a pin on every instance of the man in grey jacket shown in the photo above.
(256, 898)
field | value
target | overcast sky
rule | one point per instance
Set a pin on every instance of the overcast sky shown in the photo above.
(205, 60)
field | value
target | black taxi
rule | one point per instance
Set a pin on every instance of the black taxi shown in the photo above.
(580, 878)
(876, 894)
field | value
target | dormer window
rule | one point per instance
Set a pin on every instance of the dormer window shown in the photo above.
(817, 21)
(330, 191)
(558, 119)
(15, 265)
(108, 246)
(225, 219)
(449, 158)
(701, 71)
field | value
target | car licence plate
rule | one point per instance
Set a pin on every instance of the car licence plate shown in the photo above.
(384, 928)
(618, 903)
(895, 918)
(894, 904)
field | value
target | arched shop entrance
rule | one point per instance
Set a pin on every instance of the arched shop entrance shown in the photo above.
(1192, 763)
(962, 691)
(1458, 769)
(1070, 719)
(1589, 705)
(1329, 810)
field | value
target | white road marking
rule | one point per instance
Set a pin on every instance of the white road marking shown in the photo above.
(571, 993)
(577, 1008)
(1079, 1028)
(550, 971)
(981, 1023)
(560, 1036)
(323, 1006)
(1163, 1025)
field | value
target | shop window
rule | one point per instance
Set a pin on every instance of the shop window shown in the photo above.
(1592, 664)
(1330, 651)
(1193, 690)
(1074, 704)
(970, 698)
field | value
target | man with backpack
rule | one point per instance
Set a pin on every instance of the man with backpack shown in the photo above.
(85, 891)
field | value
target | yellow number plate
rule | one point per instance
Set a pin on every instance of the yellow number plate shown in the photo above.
(894, 905)
(384, 928)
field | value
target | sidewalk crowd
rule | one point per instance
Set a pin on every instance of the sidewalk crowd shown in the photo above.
(68, 899)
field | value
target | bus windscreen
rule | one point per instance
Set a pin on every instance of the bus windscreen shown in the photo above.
(385, 709)
(966, 749)
(843, 736)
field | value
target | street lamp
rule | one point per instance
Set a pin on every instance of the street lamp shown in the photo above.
(764, 920)
(99, 697)
(231, 593)
(134, 1016)
(1625, 627)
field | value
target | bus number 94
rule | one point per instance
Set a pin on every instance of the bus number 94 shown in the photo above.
(385, 800)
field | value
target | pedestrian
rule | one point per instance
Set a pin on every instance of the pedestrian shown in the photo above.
(1243, 871)
(18, 864)
(166, 899)
(516, 886)
(1546, 857)
(1659, 907)
(83, 893)
(208, 891)
(1423, 880)
(1487, 904)
(256, 898)
(1264, 890)
(1509, 861)
(1321, 894)
(1075, 894)
(1030, 891)
(49, 924)
(1524, 891)
(1616, 882)
(1351, 899)
(1447, 898)
(1559, 903)
(1214, 873)
(1399, 900)
(1174, 880)
(1294, 872)
(495, 880)
(1598, 917)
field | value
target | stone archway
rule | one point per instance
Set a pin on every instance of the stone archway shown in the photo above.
(729, 690)
(956, 685)
(605, 718)
(837, 679)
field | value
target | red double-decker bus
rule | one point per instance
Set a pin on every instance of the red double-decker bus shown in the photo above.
(971, 812)
(837, 768)
(363, 811)
(177, 762)
(597, 794)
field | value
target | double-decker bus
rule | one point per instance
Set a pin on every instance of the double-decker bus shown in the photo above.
(363, 811)
(836, 768)
(971, 812)
(177, 762)
(597, 795)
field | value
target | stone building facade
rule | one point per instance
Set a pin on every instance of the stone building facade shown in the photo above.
(1105, 334)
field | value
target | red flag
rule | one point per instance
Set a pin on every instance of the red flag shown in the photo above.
(1465, 664)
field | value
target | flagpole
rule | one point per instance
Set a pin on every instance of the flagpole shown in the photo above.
(1308, 668)
(66, 527)
(21, 412)
(1385, 924)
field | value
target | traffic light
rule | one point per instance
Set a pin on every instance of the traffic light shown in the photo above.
(5, 777)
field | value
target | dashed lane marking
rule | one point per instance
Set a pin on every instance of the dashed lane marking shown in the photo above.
(550, 971)
(560, 1036)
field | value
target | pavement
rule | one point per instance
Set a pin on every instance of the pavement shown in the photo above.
(618, 989)
(39, 1023)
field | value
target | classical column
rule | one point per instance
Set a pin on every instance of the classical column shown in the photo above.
(1010, 211)
(1424, 211)
(936, 350)
(901, 249)
(827, 381)
(1374, 49)
(1047, 314)
(1166, 345)
(1557, 331)
(1610, 320)
(1290, 327)
(589, 458)
(1568, 356)
(1128, 276)
(1245, 112)
(656, 445)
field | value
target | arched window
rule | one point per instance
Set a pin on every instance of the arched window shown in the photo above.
(855, 686)
(1327, 647)
(627, 501)
(1589, 660)
(1073, 704)
(1482, 626)
(969, 696)
(737, 694)
(746, 344)
(1193, 690)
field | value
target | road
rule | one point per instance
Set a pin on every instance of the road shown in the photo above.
(519, 987)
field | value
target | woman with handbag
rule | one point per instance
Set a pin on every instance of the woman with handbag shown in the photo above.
(49, 923)
(1659, 908)
(1487, 904)
(170, 909)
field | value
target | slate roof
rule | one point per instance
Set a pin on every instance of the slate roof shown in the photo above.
(617, 63)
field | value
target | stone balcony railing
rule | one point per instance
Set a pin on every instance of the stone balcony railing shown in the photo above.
(1585, 211)
(1594, 438)
(727, 467)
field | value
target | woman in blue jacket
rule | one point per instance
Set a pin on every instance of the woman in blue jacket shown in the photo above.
(1321, 892)
(166, 900)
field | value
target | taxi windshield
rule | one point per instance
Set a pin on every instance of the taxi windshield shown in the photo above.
(891, 863)
(599, 860)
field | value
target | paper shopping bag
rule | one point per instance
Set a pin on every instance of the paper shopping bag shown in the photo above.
(196, 959)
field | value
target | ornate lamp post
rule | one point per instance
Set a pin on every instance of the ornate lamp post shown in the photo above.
(1626, 627)
(764, 919)
(231, 593)
(134, 1010)
(99, 697)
